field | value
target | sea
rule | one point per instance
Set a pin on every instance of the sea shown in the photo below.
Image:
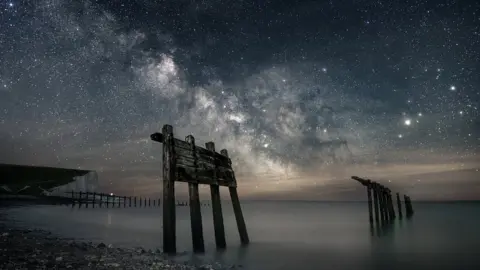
(284, 234)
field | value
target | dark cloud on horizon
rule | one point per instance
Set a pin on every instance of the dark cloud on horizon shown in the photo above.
(84, 84)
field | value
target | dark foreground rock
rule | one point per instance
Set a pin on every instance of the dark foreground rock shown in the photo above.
(35, 249)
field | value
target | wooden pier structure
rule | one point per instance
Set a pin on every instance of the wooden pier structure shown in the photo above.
(184, 161)
(381, 208)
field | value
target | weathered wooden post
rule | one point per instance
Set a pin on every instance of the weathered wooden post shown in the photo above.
(399, 206)
(388, 218)
(390, 204)
(237, 209)
(216, 205)
(94, 195)
(369, 197)
(169, 163)
(108, 199)
(130, 201)
(382, 204)
(86, 199)
(376, 202)
(73, 198)
(119, 199)
(368, 185)
(158, 202)
(101, 200)
(195, 211)
(79, 199)
(145, 202)
(135, 202)
(408, 206)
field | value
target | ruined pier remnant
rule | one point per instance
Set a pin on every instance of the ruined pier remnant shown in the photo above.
(183, 161)
(383, 205)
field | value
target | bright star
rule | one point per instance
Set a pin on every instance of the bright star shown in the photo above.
(400, 136)
(420, 114)
(408, 122)
(453, 88)
(324, 69)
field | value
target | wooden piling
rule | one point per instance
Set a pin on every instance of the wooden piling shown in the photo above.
(399, 206)
(195, 211)
(94, 200)
(369, 197)
(107, 199)
(237, 209)
(101, 200)
(135, 202)
(217, 206)
(376, 202)
(169, 163)
(390, 203)
(381, 197)
(145, 202)
(86, 199)
(79, 199)
(408, 206)
(73, 198)
(388, 218)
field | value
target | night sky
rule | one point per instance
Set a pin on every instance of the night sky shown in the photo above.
(278, 83)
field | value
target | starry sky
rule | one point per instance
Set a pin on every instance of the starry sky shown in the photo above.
(303, 94)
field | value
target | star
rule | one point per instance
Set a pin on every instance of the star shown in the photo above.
(407, 122)
(453, 88)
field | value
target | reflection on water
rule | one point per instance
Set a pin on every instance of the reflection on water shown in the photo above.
(284, 235)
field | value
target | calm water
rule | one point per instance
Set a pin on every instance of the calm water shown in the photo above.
(287, 235)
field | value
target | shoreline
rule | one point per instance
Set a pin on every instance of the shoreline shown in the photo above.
(40, 249)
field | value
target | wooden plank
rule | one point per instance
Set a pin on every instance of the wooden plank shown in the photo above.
(195, 211)
(188, 161)
(169, 219)
(182, 149)
(213, 173)
(217, 206)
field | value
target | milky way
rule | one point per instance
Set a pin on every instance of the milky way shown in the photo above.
(280, 85)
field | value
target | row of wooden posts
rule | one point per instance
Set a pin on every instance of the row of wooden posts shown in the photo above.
(93, 199)
(380, 203)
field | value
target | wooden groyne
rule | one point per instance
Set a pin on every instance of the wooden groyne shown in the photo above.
(184, 161)
(381, 208)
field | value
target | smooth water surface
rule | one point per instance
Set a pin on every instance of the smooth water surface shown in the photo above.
(286, 235)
